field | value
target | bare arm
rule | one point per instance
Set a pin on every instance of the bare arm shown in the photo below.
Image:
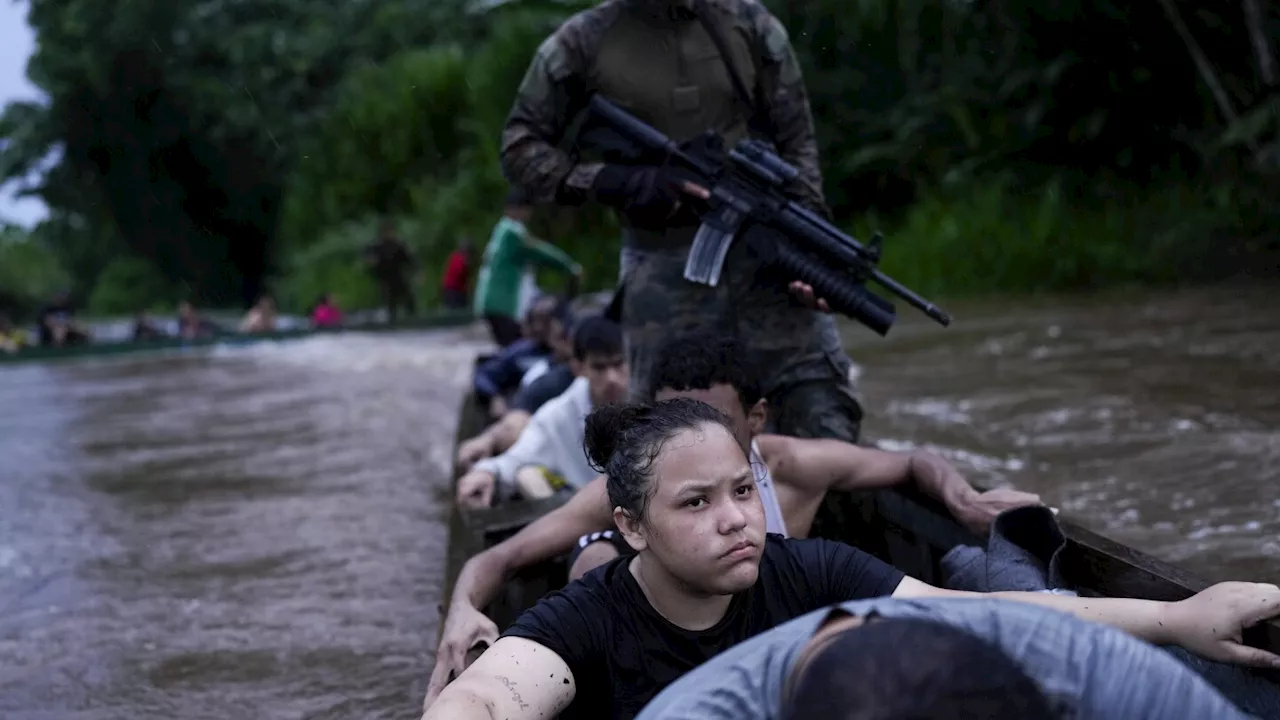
(501, 435)
(1140, 618)
(1209, 623)
(550, 535)
(821, 465)
(530, 447)
(506, 431)
(483, 576)
(514, 680)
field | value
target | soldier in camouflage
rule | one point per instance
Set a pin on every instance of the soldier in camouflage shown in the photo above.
(656, 59)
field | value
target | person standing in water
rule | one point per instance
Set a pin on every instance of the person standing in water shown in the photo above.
(511, 255)
(391, 263)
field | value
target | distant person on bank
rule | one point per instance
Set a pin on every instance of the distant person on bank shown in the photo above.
(511, 255)
(457, 277)
(192, 325)
(391, 263)
(12, 338)
(326, 313)
(261, 318)
(57, 323)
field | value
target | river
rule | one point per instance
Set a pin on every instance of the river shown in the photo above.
(258, 532)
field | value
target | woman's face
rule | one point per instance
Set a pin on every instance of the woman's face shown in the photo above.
(704, 523)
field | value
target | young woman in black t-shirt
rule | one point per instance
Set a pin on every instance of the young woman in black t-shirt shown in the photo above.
(706, 577)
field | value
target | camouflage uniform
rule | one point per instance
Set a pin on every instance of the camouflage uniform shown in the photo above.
(655, 59)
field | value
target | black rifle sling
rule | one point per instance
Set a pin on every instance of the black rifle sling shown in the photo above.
(755, 116)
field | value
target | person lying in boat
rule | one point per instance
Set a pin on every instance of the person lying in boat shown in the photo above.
(706, 576)
(792, 477)
(553, 439)
(503, 374)
(261, 318)
(940, 657)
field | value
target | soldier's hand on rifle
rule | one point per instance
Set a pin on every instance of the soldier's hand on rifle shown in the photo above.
(647, 195)
(804, 292)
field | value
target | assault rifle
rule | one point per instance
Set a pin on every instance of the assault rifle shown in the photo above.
(747, 203)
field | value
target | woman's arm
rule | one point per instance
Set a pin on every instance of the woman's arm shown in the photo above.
(483, 575)
(513, 680)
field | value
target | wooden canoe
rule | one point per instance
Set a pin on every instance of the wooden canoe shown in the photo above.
(103, 349)
(901, 526)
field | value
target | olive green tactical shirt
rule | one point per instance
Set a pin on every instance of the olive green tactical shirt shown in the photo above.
(655, 59)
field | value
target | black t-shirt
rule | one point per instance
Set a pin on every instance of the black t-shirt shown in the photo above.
(550, 384)
(622, 652)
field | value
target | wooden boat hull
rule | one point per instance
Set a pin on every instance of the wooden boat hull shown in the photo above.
(108, 349)
(900, 526)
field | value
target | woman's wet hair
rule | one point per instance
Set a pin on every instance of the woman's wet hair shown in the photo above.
(623, 442)
(909, 668)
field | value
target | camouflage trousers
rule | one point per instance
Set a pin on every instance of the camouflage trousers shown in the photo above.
(804, 370)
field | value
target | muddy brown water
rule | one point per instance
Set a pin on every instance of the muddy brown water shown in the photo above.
(258, 532)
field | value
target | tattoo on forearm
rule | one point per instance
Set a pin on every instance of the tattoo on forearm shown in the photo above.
(515, 695)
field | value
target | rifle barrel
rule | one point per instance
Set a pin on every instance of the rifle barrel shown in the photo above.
(939, 315)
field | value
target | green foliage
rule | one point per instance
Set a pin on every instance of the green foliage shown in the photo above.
(996, 237)
(417, 137)
(130, 284)
(332, 264)
(29, 272)
(393, 126)
(225, 142)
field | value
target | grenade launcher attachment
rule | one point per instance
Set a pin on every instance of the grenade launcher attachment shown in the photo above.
(748, 204)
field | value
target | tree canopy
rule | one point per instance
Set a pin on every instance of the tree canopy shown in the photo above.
(227, 144)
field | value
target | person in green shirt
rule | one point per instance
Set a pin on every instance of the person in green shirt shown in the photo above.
(511, 254)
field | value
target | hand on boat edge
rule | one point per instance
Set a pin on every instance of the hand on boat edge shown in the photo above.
(475, 489)
(464, 628)
(473, 451)
(977, 510)
(1211, 622)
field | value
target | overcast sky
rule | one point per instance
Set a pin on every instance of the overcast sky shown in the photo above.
(16, 45)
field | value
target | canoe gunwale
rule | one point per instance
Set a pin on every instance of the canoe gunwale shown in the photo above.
(1094, 564)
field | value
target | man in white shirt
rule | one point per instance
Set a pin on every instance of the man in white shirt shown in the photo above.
(549, 455)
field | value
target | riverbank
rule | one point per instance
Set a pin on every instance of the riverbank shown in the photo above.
(992, 240)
